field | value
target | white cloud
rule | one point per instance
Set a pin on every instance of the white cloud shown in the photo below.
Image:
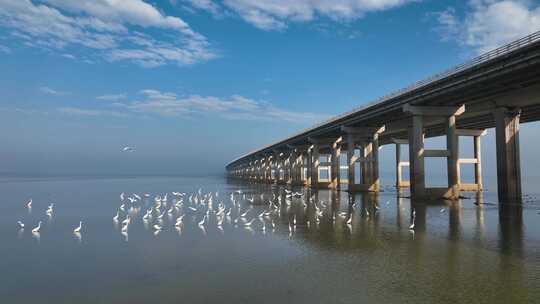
(49, 91)
(235, 107)
(113, 29)
(206, 5)
(112, 97)
(490, 23)
(90, 112)
(276, 14)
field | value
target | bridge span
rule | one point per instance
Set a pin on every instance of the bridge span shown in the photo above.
(499, 89)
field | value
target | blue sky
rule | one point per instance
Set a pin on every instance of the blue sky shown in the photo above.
(192, 84)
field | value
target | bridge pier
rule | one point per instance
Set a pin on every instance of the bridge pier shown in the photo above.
(330, 148)
(400, 183)
(367, 140)
(335, 178)
(297, 165)
(417, 153)
(315, 163)
(286, 168)
(476, 160)
(267, 169)
(275, 163)
(508, 164)
(291, 166)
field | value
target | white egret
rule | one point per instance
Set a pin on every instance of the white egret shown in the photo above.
(36, 230)
(49, 210)
(78, 229)
(147, 215)
(201, 223)
(411, 227)
(249, 223)
(29, 204)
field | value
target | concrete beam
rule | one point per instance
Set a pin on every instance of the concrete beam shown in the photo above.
(434, 110)
(470, 132)
(363, 131)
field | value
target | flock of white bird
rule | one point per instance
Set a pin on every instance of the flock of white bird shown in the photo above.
(237, 209)
(49, 212)
(210, 210)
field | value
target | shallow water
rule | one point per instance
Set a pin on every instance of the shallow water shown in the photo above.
(458, 252)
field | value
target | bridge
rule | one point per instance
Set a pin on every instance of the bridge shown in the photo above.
(499, 89)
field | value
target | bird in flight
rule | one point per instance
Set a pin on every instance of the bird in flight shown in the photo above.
(128, 149)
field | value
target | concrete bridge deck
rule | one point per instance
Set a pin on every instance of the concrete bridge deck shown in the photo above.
(498, 90)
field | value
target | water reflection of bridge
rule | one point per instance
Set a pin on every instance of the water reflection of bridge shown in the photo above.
(497, 90)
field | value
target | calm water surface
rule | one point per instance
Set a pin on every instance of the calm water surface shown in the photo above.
(459, 252)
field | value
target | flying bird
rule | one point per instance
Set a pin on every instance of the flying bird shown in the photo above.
(128, 149)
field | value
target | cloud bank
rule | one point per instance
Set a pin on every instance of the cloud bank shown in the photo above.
(167, 104)
(277, 14)
(116, 30)
(489, 23)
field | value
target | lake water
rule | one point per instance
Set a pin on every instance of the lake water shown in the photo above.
(457, 253)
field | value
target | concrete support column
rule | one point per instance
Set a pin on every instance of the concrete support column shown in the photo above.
(364, 166)
(399, 174)
(301, 158)
(315, 162)
(416, 156)
(286, 167)
(375, 182)
(478, 164)
(368, 165)
(298, 167)
(269, 160)
(350, 158)
(309, 165)
(277, 160)
(335, 168)
(291, 168)
(508, 163)
(452, 145)
(261, 169)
